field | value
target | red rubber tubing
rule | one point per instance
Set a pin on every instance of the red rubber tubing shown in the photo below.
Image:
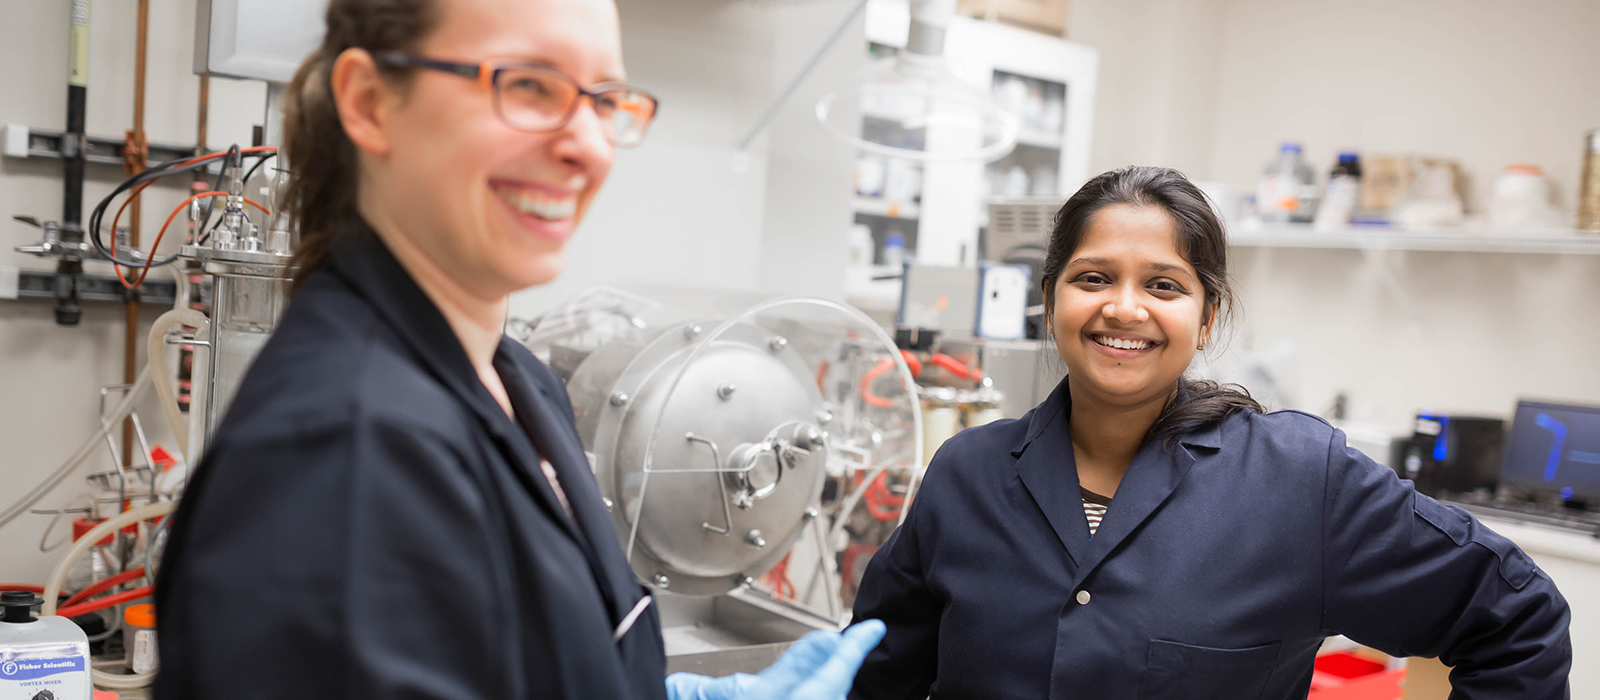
(955, 366)
(866, 384)
(882, 503)
(102, 585)
(106, 602)
(22, 587)
(912, 363)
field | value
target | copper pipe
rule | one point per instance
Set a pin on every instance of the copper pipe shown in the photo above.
(205, 111)
(135, 157)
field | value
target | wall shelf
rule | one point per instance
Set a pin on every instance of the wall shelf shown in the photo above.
(1039, 139)
(878, 207)
(1455, 239)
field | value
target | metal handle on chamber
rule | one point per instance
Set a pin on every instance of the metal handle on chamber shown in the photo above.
(716, 462)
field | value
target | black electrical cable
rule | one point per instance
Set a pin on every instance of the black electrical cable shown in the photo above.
(97, 218)
(201, 234)
(205, 231)
(159, 171)
(173, 167)
(257, 166)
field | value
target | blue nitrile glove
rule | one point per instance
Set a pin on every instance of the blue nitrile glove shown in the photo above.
(821, 666)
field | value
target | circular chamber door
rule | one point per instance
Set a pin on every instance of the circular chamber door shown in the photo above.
(709, 449)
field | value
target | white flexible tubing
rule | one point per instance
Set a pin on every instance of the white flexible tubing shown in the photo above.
(94, 443)
(116, 416)
(52, 586)
(180, 300)
(156, 356)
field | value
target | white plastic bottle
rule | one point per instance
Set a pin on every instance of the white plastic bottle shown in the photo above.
(894, 250)
(40, 654)
(1521, 199)
(139, 637)
(1281, 194)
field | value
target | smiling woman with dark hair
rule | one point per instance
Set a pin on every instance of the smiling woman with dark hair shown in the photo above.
(1145, 535)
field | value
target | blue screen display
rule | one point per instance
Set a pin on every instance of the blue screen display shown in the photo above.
(1554, 449)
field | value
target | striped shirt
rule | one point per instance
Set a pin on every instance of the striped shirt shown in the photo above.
(1094, 508)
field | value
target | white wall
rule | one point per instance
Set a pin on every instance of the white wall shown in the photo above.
(1159, 73)
(1212, 86)
(808, 200)
(1487, 82)
(1472, 333)
(675, 211)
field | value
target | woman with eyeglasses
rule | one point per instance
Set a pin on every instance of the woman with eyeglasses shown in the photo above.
(397, 504)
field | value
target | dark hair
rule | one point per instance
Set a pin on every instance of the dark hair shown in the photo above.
(1201, 241)
(321, 196)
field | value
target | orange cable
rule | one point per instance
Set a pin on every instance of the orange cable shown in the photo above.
(134, 193)
(145, 271)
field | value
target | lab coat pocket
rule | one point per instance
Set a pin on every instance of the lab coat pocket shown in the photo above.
(1184, 672)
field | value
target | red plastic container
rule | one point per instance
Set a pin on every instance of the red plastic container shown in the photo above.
(1343, 675)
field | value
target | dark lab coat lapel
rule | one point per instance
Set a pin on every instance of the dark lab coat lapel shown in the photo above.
(378, 277)
(545, 419)
(1047, 468)
(1149, 482)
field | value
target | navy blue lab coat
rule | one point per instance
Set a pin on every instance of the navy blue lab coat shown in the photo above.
(1217, 572)
(369, 523)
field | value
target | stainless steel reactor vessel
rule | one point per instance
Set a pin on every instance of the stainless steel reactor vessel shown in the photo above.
(732, 440)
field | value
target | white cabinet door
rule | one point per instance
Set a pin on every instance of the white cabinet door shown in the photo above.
(1004, 59)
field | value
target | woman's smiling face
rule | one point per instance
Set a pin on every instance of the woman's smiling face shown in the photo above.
(1128, 309)
(492, 205)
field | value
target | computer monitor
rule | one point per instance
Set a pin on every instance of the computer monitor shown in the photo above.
(1554, 449)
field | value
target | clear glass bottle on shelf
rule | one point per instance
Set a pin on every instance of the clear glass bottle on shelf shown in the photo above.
(1281, 193)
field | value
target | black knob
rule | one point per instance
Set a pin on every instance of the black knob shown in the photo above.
(18, 605)
(68, 314)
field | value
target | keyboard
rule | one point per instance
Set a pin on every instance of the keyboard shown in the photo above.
(1577, 521)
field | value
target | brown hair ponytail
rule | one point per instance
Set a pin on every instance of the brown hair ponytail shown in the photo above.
(321, 196)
